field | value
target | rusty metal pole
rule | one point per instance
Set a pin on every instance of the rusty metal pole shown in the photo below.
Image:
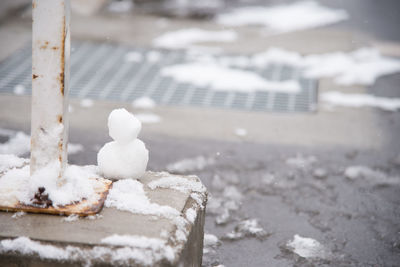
(50, 77)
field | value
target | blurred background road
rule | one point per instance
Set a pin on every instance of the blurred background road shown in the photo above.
(276, 164)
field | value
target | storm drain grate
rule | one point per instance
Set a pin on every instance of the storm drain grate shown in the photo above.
(100, 71)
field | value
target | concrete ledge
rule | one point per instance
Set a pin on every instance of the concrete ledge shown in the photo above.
(79, 242)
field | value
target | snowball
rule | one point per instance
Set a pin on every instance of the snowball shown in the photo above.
(122, 161)
(123, 126)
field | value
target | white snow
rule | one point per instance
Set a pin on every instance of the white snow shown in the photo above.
(284, 18)
(126, 156)
(74, 148)
(336, 98)
(362, 66)
(11, 161)
(18, 214)
(186, 37)
(133, 56)
(70, 218)
(210, 242)
(153, 56)
(185, 185)
(148, 118)
(86, 103)
(191, 215)
(222, 78)
(154, 244)
(19, 185)
(370, 175)
(129, 195)
(306, 247)
(301, 162)
(19, 89)
(115, 255)
(240, 132)
(246, 228)
(18, 144)
(190, 164)
(123, 126)
(144, 103)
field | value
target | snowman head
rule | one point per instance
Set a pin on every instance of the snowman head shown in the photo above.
(123, 127)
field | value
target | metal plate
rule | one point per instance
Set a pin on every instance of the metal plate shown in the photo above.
(99, 71)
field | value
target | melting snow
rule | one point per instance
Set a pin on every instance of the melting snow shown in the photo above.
(129, 195)
(185, 185)
(221, 78)
(360, 100)
(144, 103)
(71, 218)
(190, 164)
(246, 228)
(373, 176)
(284, 18)
(18, 214)
(184, 38)
(210, 242)
(306, 247)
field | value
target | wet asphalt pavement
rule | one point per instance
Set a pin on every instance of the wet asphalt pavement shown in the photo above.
(289, 190)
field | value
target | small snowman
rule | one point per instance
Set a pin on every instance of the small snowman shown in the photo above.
(126, 157)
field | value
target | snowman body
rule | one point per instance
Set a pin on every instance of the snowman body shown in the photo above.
(126, 157)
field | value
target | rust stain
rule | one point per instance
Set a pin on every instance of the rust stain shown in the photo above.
(46, 43)
(54, 48)
(60, 118)
(33, 4)
(43, 47)
(62, 74)
(34, 76)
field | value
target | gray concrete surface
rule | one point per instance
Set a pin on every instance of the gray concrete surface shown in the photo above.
(88, 233)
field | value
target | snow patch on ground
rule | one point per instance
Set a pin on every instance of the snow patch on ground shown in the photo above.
(284, 18)
(184, 38)
(70, 218)
(306, 247)
(87, 103)
(240, 132)
(190, 164)
(74, 148)
(129, 195)
(210, 243)
(246, 228)
(301, 162)
(148, 118)
(19, 89)
(370, 175)
(133, 56)
(18, 214)
(144, 103)
(336, 98)
(222, 78)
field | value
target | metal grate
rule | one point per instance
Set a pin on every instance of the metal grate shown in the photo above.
(99, 71)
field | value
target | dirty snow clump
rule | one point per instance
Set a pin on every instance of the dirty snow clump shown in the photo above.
(306, 247)
(126, 156)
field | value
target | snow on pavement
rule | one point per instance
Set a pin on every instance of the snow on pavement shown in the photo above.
(222, 78)
(144, 103)
(336, 98)
(306, 247)
(297, 16)
(184, 38)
